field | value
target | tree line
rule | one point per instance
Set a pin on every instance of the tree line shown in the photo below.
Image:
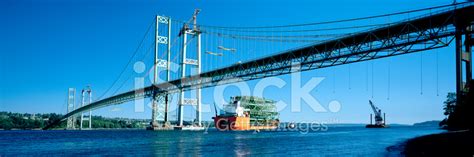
(27, 121)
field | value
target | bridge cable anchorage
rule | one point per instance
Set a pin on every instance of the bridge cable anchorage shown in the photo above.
(338, 21)
(129, 61)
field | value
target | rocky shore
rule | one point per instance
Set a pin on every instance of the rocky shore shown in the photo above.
(454, 143)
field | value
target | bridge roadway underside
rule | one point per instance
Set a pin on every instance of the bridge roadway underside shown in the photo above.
(413, 35)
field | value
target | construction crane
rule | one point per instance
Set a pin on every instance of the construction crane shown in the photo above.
(193, 20)
(379, 121)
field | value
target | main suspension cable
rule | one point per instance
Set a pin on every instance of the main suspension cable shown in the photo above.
(338, 21)
(129, 61)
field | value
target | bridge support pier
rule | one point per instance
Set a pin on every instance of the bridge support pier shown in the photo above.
(467, 57)
(160, 101)
(71, 99)
(89, 95)
(194, 31)
(463, 60)
(197, 63)
(183, 75)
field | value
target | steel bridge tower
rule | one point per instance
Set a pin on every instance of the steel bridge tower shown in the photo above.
(194, 31)
(71, 99)
(89, 95)
(463, 57)
(160, 101)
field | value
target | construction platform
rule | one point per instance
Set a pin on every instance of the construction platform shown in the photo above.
(189, 128)
(167, 127)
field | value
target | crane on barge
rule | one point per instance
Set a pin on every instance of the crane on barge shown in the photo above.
(379, 121)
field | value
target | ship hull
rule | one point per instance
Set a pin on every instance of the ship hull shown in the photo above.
(375, 126)
(235, 123)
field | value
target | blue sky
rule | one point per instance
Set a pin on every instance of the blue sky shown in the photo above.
(49, 46)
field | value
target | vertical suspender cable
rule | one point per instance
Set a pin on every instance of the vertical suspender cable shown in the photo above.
(281, 41)
(205, 51)
(224, 43)
(334, 80)
(366, 76)
(272, 41)
(221, 40)
(257, 49)
(388, 73)
(437, 73)
(349, 67)
(235, 48)
(421, 73)
(211, 48)
(388, 84)
(372, 78)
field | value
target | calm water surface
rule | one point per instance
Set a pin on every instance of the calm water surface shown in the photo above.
(337, 140)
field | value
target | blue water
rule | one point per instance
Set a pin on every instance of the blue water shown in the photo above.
(341, 140)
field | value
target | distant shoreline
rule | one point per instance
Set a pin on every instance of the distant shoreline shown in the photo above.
(144, 128)
(40, 129)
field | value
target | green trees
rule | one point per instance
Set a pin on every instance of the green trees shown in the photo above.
(459, 112)
(449, 104)
(6, 123)
(15, 120)
(26, 121)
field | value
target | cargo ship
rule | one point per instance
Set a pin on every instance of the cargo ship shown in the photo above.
(247, 113)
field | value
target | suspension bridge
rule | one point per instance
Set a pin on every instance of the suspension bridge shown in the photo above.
(266, 51)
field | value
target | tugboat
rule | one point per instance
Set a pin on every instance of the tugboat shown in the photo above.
(247, 113)
(379, 121)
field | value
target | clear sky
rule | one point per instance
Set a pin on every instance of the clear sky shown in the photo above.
(51, 45)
